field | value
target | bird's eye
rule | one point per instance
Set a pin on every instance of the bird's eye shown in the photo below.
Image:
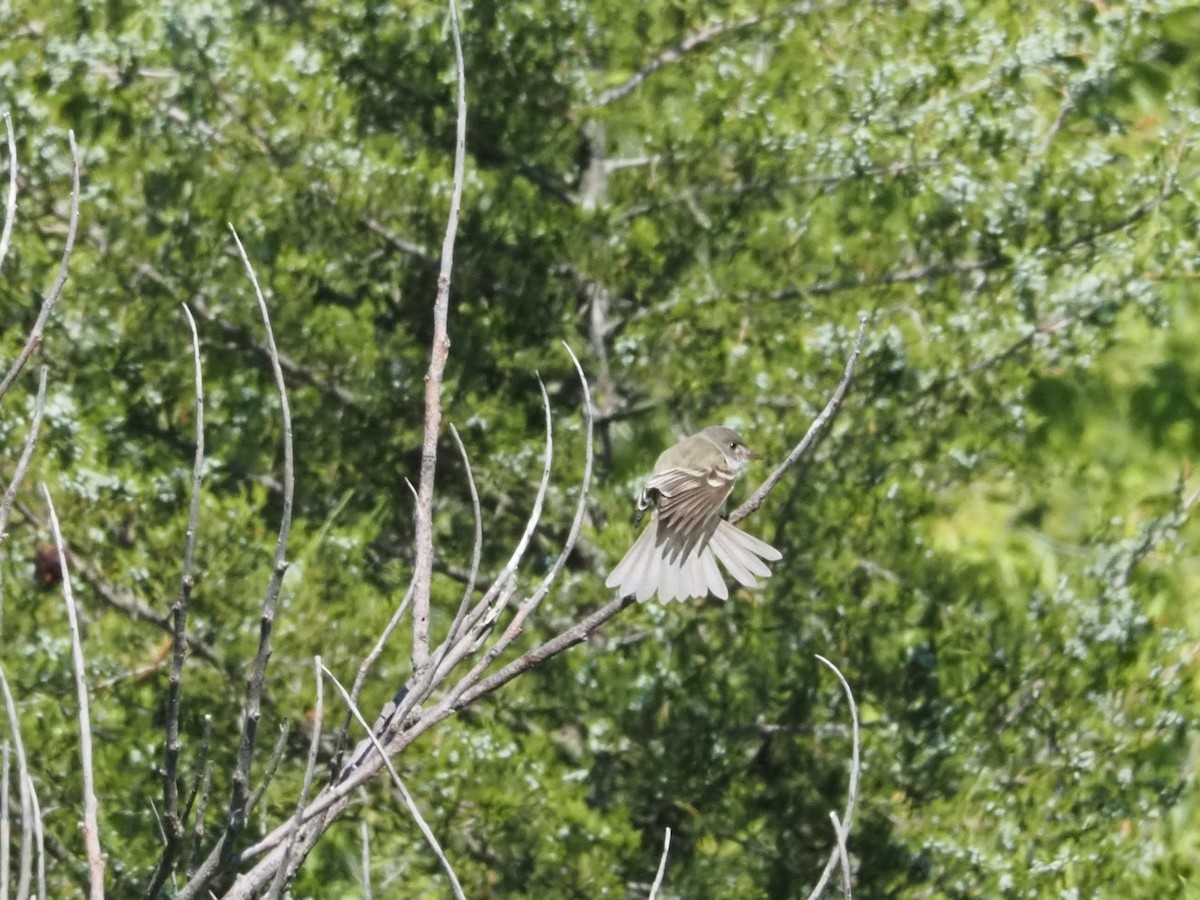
(732, 445)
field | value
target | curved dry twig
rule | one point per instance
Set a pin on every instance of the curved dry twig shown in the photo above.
(173, 821)
(843, 853)
(364, 836)
(39, 840)
(273, 761)
(476, 554)
(531, 603)
(5, 822)
(483, 617)
(255, 683)
(365, 667)
(423, 574)
(39, 326)
(199, 796)
(662, 866)
(815, 431)
(408, 798)
(843, 830)
(10, 205)
(39, 406)
(91, 825)
(277, 885)
(25, 786)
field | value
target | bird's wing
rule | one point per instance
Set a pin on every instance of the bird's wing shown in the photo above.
(686, 502)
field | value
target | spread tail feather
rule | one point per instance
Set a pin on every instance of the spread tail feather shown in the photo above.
(649, 568)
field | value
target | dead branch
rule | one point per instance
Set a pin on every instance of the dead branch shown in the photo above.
(255, 683)
(10, 205)
(423, 575)
(39, 326)
(426, 831)
(174, 823)
(815, 431)
(91, 826)
(843, 828)
(25, 786)
(276, 889)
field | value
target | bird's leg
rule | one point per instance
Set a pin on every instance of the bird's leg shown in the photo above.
(645, 501)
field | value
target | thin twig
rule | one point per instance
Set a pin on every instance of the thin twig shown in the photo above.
(198, 822)
(25, 786)
(314, 746)
(843, 854)
(851, 790)
(5, 823)
(91, 825)
(364, 835)
(476, 552)
(408, 798)
(174, 824)
(662, 866)
(815, 431)
(489, 607)
(35, 336)
(39, 405)
(255, 683)
(365, 667)
(199, 790)
(433, 379)
(39, 841)
(10, 206)
(272, 765)
(531, 603)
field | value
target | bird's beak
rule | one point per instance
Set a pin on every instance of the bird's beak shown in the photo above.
(750, 454)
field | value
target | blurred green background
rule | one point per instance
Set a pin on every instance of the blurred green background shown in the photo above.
(993, 543)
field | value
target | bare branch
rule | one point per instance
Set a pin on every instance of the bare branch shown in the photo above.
(662, 866)
(39, 840)
(199, 793)
(174, 824)
(365, 667)
(91, 826)
(25, 786)
(10, 208)
(314, 746)
(493, 602)
(815, 431)
(433, 379)
(476, 552)
(364, 836)
(408, 799)
(255, 683)
(39, 405)
(5, 823)
(843, 830)
(843, 855)
(531, 603)
(272, 765)
(35, 336)
(198, 822)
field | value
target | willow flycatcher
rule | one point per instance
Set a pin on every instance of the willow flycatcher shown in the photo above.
(677, 554)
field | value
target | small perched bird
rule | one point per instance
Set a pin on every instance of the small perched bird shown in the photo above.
(676, 555)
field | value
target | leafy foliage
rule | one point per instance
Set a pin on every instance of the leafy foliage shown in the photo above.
(991, 544)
